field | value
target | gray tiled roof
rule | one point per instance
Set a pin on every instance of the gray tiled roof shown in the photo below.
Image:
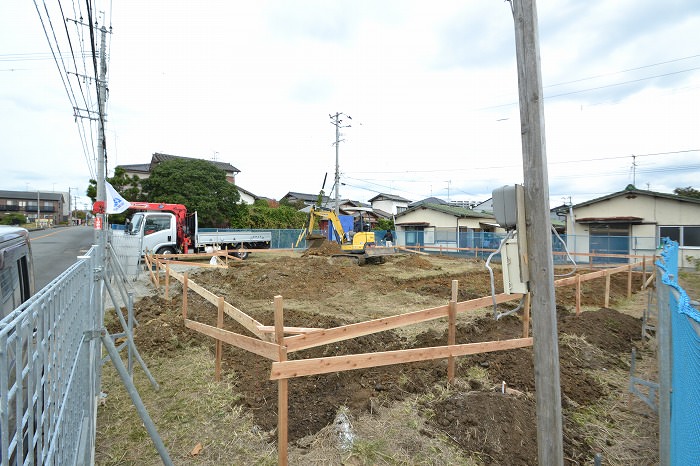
(31, 195)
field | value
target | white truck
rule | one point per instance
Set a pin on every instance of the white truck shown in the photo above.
(168, 228)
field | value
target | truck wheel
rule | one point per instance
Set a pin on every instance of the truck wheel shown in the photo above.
(241, 255)
(166, 250)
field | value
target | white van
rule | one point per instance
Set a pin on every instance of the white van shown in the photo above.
(16, 275)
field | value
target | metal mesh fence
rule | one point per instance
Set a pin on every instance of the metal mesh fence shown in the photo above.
(685, 363)
(49, 375)
(127, 249)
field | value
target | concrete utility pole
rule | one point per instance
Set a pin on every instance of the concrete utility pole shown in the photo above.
(100, 235)
(550, 449)
(338, 123)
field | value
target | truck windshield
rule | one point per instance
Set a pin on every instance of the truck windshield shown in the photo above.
(136, 222)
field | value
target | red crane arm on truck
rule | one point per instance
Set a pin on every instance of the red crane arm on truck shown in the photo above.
(179, 210)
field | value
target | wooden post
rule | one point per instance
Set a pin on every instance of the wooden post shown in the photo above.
(540, 263)
(219, 343)
(607, 289)
(167, 282)
(629, 280)
(578, 295)
(452, 330)
(644, 270)
(526, 317)
(157, 273)
(184, 296)
(282, 387)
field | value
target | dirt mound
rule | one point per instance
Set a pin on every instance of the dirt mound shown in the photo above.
(415, 262)
(327, 248)
(607, 329)
(499, 427)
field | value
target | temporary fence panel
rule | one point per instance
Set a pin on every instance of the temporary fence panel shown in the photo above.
(128, 251)
(49, 372)
(685, 366)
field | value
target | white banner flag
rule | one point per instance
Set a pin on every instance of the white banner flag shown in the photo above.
(114, 203)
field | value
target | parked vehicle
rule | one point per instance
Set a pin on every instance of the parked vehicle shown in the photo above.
(16, 275)
(169, 229)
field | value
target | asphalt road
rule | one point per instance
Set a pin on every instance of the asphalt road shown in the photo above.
(56, 249)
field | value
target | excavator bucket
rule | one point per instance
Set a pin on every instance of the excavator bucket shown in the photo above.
(315, 241)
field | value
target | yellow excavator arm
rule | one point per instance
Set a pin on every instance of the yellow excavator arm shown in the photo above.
(356, 244)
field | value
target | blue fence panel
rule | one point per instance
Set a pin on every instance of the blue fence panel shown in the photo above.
(685, 378)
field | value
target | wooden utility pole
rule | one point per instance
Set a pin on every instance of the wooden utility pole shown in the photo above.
(539, 239)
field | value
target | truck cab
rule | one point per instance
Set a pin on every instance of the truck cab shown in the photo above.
(158, 230)
(16, 275)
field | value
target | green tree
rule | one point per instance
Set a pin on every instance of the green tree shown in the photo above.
(129, 187)
(261, 215)
(385, 224)
(13, 219)
(687, 192)
(199, 185)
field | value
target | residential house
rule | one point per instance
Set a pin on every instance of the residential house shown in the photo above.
(389, 203)
(633, 221)
(433, 225)
(307, 199)
(143, 171)
(48, 205)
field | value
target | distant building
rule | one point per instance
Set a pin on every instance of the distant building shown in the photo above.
(389, 203)
(48, 206)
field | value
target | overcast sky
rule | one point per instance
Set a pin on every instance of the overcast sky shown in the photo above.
(431, 88)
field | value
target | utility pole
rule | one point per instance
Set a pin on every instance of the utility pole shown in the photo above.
(338, 123)
(550, 449)
(100, 236)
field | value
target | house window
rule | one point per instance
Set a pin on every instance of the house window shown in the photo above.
(400, 209)
(685, 236)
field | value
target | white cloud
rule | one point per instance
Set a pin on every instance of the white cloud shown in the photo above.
(432, 92)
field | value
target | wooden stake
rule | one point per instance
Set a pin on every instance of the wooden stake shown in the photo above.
(578, 295)
(219, 343)
(452, 330)
(167, 282)
(184, 296)
(644, 269)
(282, 387)
(526, 316)
(629, 281)
(607, 289)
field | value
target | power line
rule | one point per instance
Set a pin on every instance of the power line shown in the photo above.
(497, 167)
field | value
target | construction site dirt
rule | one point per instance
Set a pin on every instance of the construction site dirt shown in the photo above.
(488, 416)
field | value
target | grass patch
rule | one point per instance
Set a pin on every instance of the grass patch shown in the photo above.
(189, 408)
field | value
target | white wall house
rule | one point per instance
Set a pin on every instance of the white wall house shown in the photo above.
(435, 225)
(633, 221)
(389, 203)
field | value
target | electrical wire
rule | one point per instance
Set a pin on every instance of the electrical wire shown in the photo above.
(566, 249)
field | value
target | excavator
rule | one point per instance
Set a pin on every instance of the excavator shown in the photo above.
(360, 246)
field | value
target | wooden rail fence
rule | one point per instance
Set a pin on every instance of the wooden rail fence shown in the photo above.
(276, 342)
